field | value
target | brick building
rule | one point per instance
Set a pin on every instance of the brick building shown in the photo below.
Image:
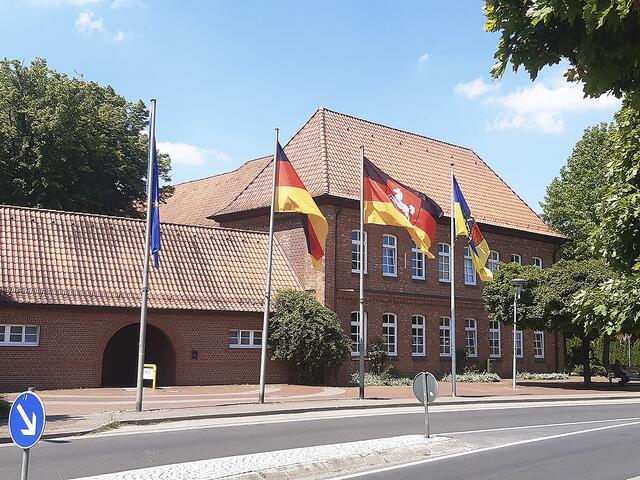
(69, 297)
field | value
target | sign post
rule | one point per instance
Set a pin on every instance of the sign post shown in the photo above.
(27, 419)
(150, 372)
(425, 389)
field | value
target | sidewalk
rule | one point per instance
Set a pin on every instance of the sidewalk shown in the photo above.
(73, 412)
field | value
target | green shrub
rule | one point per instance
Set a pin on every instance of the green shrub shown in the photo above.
(541, 376)
(385, 379)
(4, 408)
(597, 370)
(377, 356)
(308, 335)
(472, 375)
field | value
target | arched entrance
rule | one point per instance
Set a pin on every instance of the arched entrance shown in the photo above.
(120, 358)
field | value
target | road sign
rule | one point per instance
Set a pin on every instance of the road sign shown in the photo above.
(26, 420)
(432, 387)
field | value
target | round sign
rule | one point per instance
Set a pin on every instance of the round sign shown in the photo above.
(432, 387)
(26, 420)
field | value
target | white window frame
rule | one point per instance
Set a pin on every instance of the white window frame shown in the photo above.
(520, 335)
(418, 258)
(252, 338)
(390, 251)
(537, 262)
(355, 244)
(443, 330)
(390, 321)
(469, 268)
(444, 252)
(516, 258)
(471, 327)
(497, 330)
(418, 331)
(538, 343)
(355, 322)
(493, 262)
(7, 342)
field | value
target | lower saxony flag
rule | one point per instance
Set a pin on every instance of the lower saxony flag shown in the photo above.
(292, 196)
(388, 202)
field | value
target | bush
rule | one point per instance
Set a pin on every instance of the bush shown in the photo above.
(308, 335)
(472, 375)
(4, 408)
(541, 376)
(377, 356)
(597, 370)
(387, 378)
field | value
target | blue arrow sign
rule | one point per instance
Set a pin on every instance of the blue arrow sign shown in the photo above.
(26, 420)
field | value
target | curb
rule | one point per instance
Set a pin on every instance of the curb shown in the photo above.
(325, 408)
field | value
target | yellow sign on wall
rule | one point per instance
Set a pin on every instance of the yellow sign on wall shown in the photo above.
(150, 373)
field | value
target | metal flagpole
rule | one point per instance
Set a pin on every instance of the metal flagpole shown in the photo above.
(515, 317)
(453, 293)
(361, 320)
(267, 289)
(147, 248)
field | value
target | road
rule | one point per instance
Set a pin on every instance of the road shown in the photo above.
(609, 452)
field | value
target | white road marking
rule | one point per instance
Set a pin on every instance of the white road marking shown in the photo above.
(481, 450)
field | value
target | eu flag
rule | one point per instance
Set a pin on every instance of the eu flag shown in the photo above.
(155, 200)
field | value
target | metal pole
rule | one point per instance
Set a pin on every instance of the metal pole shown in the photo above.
(25, 464)
(145, 274)
(361, 335)
(515, 306)
(426, 404)
(453, 294)
(267, 289)
(629, 350)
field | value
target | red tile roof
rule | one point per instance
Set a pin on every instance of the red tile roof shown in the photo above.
(52, 257)
(325, 153)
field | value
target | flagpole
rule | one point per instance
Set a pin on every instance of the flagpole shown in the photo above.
(267, 290)
(361, 334)
(453, 292)
(145, 274)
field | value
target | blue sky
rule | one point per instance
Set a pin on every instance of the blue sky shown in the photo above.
(226, 73)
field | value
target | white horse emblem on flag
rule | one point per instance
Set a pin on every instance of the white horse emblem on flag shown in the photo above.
(396, 198)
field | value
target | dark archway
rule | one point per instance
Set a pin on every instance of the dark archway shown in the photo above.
(120, 358)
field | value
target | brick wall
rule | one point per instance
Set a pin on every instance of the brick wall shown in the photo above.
(72, 342)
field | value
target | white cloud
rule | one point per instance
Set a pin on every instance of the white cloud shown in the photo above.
(185, 154)
(119, 36)
(86, 24)
(127, 3)
(541, 107)
(60, 3)
(474, 88)
(423, 58)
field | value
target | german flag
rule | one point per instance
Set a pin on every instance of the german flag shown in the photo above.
(388, 202)
(467, 226)
(292, 196)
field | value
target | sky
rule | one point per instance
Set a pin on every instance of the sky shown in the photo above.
(225, 74)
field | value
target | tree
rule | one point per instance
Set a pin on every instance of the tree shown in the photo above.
(599, 38)
(308, 335)
(546, 299)
(71, 144)
(570, 204)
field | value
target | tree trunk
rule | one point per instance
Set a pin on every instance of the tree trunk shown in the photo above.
(585, 360)
(606, 349)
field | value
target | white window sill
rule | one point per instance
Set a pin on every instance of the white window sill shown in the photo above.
(495, 356)
(392, 354)
(472, 284)
(417, 278)
(539, 357)
(17, 344)
(241, 347)
(358, 271)
(520, 356)
(419, 355)
(444, 281)
(394, 275)
(472, 356)
(445, 355)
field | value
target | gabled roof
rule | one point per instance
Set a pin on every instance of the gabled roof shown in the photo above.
(325, 153)
(52, 257)
(192, 202)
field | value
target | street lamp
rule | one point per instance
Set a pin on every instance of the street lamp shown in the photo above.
(518, 282)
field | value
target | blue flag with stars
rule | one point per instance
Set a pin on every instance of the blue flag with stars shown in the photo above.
(155, 200)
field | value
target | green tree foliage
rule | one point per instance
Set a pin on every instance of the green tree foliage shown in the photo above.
(599, 38)
(70, 144)
(308, 335)
(570, 204)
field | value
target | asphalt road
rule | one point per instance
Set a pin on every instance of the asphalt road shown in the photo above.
(614, 451)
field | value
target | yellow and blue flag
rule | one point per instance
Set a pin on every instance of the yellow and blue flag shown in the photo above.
(467, 226)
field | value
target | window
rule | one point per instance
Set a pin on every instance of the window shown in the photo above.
(355, 333)
(389, 256)
(245, 338)
(493, 262)
(537, 261)
(444, 268)
(515, 258)
(539, 344)
(355, 251)
(471, 337)
(519, 353)
(417, 336)
(445, 337)
(494, 339)
(417, 263)
(389, 337)
(24, 335)
(469, 268)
